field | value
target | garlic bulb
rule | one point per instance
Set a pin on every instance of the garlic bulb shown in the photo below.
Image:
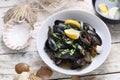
(16, 34)
(19, 13)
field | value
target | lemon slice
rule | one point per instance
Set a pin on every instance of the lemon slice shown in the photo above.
(71, 33)
(103, 8)
(72, 22)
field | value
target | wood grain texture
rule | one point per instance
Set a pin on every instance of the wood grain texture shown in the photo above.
(9, 58)
(94, 77)
(8, 61)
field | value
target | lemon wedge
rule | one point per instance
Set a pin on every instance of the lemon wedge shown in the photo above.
(71, 33)
(72, 22)
(103, 8)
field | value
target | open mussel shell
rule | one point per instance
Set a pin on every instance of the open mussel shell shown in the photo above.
(16, 34)
(21, 12)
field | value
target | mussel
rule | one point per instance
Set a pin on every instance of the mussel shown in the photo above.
(57, 22)
(50, 43)
(87, 57)
(70, 53)
(96, 40)
(85, 38)
(59, 27)
(87, 27)
(89, 36)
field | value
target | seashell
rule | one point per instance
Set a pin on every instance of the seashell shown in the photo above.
(23, 76)
(34, 77)
(27, 76)
(19, 13)
(16, 34)
(22, 67)
(45, 73)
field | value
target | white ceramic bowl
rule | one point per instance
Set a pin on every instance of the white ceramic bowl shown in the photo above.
(97, 23)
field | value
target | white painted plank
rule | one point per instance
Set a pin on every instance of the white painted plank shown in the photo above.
(9, 3)
(112, 62)
(93, 77)
(32, 45)
(8, 61)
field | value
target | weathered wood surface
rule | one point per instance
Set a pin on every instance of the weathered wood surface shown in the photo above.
(110, 70)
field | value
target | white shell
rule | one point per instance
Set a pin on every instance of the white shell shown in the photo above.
(27, 76)
(34, 77)
(16, 34)
(24, 76)
(21, 12)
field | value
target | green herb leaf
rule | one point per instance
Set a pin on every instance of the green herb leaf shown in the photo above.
(72, 51)
(68, 26)
(113, 0)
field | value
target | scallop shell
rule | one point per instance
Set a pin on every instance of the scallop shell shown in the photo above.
(27, 76)
(34, 77)
(19, 13)
(16, 34)
(23, 76)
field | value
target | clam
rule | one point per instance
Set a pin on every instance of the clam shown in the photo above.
(19, 13)
(23, 76)
(45, 73)
(27, 76)
(16, 34)
(34, 77)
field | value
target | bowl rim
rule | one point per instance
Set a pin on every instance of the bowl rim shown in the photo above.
(64, 11)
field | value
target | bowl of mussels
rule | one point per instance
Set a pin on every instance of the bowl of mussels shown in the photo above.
(73, 42)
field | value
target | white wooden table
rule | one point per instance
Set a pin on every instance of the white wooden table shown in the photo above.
(110, 70)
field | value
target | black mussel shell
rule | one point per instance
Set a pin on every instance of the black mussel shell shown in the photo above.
(87, 57)
(96, 40)
(58, 22)
(59, 28)
(50, 43)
